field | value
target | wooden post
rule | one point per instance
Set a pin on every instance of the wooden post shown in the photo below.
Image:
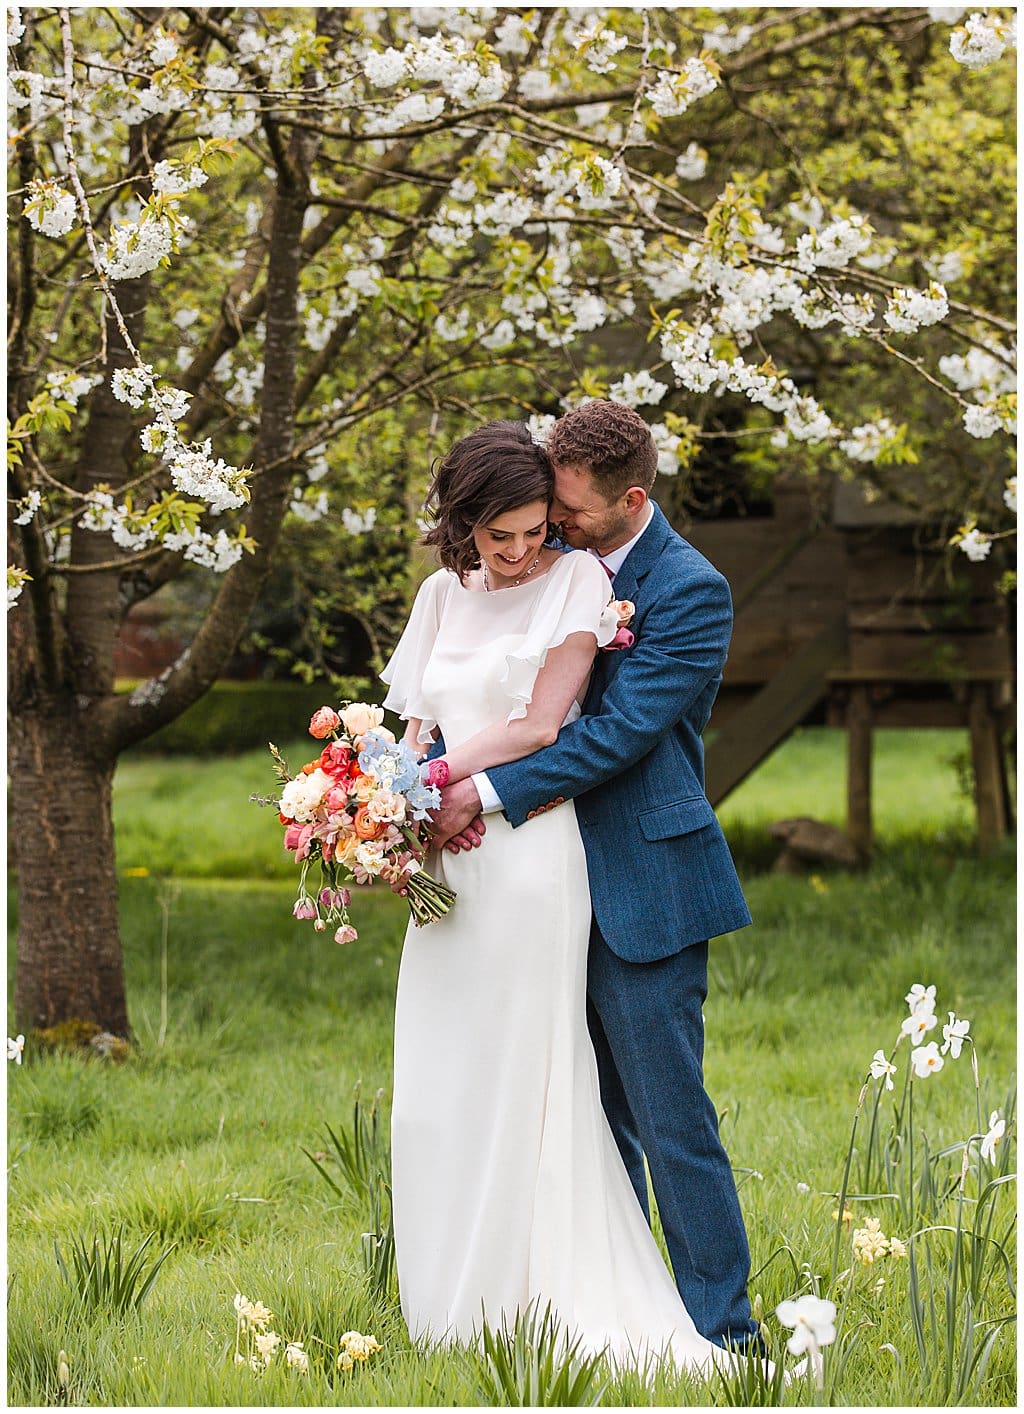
(858, 769)
(986, 757)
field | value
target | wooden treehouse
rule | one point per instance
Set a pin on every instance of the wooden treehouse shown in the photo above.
(843, 619)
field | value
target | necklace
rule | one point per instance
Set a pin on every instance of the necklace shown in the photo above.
(525, 575)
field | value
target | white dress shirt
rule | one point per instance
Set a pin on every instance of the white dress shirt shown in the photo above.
(613, 562)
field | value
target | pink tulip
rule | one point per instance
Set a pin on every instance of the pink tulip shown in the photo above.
(297, 839)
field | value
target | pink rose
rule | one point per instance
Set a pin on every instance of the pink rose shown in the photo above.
(346, 935)
(323, 721)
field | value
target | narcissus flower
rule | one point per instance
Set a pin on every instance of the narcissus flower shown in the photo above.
(996, 1130)
(881, 1066)
(926, 1060)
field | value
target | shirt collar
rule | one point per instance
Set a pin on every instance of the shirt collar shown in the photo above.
(615, 559)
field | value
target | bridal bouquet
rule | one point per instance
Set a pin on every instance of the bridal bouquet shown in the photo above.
(356, 811)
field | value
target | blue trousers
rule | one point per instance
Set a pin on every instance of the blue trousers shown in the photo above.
(647, 1026)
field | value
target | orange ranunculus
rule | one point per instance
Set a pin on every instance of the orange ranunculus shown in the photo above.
(310, 767)
(366, 828)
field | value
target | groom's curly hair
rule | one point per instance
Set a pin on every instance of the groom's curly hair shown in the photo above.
(497, 468)
(610, 441)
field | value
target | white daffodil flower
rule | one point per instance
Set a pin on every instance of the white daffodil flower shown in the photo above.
(954, 1034)
(926, 1060)
(812, 1321)
(881, 1066)
(996, 1130)
(15, 1048)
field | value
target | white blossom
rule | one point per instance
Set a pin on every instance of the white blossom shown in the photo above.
(1010, 495)
(598, 183)
(599, 47)
(866, 442)
(673, 93)
(947, 15)
(666, 444)
(309, 511)
(50, 209)
(975, 544)
(908, 310)
(28, 507)
(71, 387)
(835, 245)
(358, 523)
(990, 369)
(691, 164)
(980, 40)
(15, 1048)
(503, 214)
(416, 108)
(722, 41)
(195, 472)
(500, 337)
(451, 330)
(539, 425)
(174, 179)
(132, 385)
(365, 282)
(136, 248)
(15, 25)
(385, 68)
(634, 389)
(163, 50)
(946, 267)
(513, 36)
(982, 420)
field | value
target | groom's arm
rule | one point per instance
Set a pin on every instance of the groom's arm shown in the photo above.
(681, 648)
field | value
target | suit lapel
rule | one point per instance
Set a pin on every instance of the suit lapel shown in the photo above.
(643, 557)
(627, 585)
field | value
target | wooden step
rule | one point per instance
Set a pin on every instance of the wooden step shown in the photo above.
(757, 729)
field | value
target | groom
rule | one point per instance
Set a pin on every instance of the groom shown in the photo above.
(661, 877)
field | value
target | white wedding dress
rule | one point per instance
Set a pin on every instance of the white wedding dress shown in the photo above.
(507, 1184)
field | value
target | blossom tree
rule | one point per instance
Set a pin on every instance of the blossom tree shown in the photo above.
(246, 239)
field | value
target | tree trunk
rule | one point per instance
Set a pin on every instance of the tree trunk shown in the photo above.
(69, 946)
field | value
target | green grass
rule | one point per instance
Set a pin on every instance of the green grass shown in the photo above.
(269, 1031)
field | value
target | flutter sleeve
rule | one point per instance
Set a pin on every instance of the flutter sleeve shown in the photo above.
(576, 599)
(404, 671)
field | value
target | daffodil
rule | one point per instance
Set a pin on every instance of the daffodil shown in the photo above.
(15, 1048)
(954, 1034)
(881, 1066)
(996, 1130)
(812, 1321)
(926, 1060)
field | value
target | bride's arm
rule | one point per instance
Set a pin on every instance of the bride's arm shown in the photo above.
(411, 737)
(557, 685)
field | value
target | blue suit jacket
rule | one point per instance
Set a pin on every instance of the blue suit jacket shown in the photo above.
(661, 875)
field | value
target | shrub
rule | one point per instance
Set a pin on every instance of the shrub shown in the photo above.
(239, 716)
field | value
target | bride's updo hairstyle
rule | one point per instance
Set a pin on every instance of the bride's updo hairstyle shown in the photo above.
(497, 468)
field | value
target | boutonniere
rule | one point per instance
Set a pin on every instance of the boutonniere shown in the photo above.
(620, 613)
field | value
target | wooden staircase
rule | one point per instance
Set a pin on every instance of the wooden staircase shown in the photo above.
(754, 731)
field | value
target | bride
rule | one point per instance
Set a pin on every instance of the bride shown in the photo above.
(508, 1187)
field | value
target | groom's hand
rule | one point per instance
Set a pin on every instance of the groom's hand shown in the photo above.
(456, 823)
